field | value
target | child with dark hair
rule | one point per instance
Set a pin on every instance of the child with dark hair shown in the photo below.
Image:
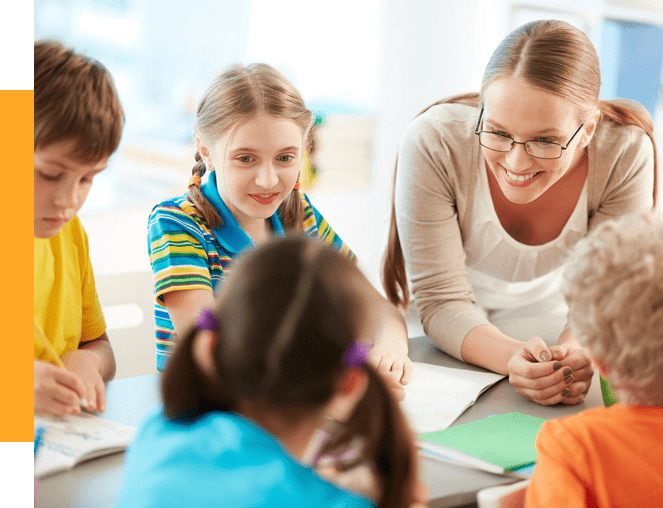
(283, 348)
(78, 125)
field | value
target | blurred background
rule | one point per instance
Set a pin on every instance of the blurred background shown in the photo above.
(366, 67)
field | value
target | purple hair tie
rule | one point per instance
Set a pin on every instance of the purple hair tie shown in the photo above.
(357, 353)
(207, 321)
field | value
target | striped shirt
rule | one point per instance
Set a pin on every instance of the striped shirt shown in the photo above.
(186, 253)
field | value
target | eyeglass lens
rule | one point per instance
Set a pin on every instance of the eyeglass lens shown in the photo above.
(537, 149)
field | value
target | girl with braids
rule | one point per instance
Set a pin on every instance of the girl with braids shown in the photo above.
(283, 347)
(493, 189)
(251, 130)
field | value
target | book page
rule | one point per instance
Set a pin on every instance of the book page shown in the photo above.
(71, 439)
(437, 395)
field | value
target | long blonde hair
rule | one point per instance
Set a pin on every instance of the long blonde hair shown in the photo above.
(551, 55)
(239, 93)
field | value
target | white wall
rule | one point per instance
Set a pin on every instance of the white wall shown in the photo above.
(430, 50)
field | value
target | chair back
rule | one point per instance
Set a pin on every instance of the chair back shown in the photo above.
(127, 300)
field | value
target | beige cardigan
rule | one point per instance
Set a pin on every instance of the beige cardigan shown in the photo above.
(439, 159)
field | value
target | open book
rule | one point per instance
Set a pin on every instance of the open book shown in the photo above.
(72, 439)
(437, 395)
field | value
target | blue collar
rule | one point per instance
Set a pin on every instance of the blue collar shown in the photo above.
(230, 234)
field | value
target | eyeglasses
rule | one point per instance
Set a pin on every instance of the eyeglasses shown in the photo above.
(537, 149)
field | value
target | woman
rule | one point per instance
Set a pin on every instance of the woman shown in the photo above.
(491, 192)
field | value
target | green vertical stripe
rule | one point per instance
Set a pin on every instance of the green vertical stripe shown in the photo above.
(16, 475)
(16, 45)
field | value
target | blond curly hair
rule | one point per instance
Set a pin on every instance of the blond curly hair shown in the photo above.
(614, 288)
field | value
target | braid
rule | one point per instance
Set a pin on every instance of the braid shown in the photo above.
(291, 213)
(195, 195)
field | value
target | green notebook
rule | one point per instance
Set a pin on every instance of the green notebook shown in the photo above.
(500, 443)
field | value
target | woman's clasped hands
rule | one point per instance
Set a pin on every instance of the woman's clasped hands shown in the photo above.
(550, 375)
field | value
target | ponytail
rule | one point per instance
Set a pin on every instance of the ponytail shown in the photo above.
(627, 112)
(387, 443)
(394, 275)
(187, 394)
(195, 195)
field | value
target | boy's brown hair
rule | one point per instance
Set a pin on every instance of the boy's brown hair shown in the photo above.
(75, 99)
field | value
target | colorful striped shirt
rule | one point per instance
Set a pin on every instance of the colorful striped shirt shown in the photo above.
(186, 253)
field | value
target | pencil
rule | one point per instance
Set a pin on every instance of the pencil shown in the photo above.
(51, 351)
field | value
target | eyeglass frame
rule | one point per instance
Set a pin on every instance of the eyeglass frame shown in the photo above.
(524, 143)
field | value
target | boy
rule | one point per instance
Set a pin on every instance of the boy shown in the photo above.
(612, 456)
(78, 125)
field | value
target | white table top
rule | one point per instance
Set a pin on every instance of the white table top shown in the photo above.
(97, 482)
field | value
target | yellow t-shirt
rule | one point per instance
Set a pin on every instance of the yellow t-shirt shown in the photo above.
(67, 308)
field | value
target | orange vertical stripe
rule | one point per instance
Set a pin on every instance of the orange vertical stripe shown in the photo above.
(16, 260)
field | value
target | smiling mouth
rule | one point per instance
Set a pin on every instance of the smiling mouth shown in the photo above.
(520, 178)
(265, 199)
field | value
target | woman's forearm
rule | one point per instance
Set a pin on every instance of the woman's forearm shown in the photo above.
(487, 347)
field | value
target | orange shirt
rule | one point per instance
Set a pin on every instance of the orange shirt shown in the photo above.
(603, 457)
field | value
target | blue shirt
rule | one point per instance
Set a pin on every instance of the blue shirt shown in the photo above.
(224, 460)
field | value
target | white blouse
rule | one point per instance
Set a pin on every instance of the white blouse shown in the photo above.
(507, 274)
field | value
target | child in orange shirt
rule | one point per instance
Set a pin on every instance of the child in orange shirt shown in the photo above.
(612, 456)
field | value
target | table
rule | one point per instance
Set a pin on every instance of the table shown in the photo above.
(457, 486)
(97, 482)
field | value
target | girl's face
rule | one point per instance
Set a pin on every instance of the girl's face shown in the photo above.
(523, 112)
(257, 165)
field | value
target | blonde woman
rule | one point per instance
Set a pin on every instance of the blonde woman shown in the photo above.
(493, 189)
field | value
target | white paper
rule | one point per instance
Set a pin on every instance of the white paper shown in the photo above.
(437, 395)
(71, 439)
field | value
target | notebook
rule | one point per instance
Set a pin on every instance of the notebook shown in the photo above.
(436, 396)
(72, 439)
(497, 444)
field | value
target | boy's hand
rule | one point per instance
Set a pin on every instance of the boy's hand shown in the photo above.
(57, 391)
(87, 365)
